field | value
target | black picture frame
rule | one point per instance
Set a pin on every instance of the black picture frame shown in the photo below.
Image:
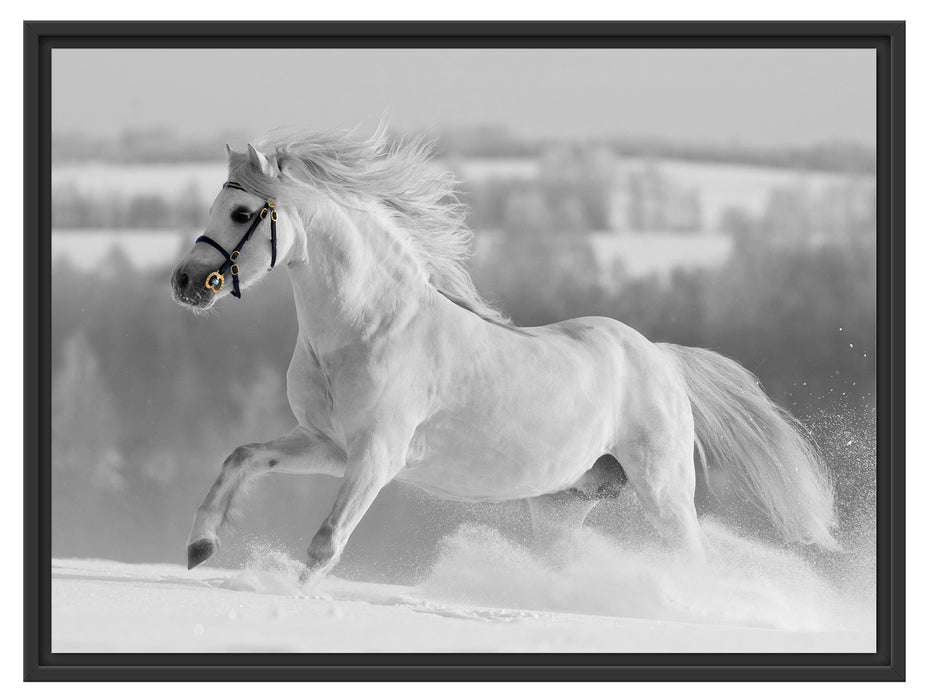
(888, 663)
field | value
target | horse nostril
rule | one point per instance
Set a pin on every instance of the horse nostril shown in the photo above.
(183, 281)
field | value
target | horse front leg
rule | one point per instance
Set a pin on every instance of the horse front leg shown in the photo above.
(298, 451)
(364, 478)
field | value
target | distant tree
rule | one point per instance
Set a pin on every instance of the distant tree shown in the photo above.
(85, 421)
(527, 211)
(736, 221)
(571, 215)
(788, 214)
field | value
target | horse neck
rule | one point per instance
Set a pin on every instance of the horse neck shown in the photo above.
(354, 274)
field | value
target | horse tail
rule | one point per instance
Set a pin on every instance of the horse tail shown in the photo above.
(760, 447)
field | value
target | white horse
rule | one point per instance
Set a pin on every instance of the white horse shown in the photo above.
(401, 371)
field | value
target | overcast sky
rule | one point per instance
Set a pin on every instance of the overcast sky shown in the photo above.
(764, 98)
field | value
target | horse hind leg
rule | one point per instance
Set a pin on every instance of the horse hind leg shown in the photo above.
(664, 481)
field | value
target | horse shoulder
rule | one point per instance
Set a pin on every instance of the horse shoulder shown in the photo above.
(310, 393)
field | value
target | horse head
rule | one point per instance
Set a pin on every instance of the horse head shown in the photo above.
(244, 237)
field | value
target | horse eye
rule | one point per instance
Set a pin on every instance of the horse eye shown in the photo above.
(241, 216)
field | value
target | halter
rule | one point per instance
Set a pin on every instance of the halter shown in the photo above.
(215, 280)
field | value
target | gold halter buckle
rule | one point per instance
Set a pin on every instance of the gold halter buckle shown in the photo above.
(211, 282)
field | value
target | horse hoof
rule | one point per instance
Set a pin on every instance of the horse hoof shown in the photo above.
(199, 552)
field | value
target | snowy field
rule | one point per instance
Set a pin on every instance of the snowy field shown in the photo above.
(720, 186)
(484, 594)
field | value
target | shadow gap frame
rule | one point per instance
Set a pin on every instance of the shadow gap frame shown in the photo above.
(886, 38)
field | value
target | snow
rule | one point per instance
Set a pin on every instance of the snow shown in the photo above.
(657, 253)
(721, 185)
(724, 186)
(640, 254)
(86, 249)
(119, 180)
(484, 594)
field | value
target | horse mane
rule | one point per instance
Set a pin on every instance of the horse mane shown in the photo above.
(397, 174)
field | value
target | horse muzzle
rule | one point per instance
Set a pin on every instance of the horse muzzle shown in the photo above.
(189, 287)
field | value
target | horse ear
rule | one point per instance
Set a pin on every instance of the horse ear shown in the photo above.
(260, 162)
(229, 151)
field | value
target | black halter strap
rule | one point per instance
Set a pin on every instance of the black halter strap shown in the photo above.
(215, 280)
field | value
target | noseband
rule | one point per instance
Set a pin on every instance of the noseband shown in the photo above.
(215, 280)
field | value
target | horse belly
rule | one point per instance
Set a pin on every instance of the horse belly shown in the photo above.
(479, 460)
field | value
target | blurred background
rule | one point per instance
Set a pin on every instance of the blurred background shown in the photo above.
(724, 199)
